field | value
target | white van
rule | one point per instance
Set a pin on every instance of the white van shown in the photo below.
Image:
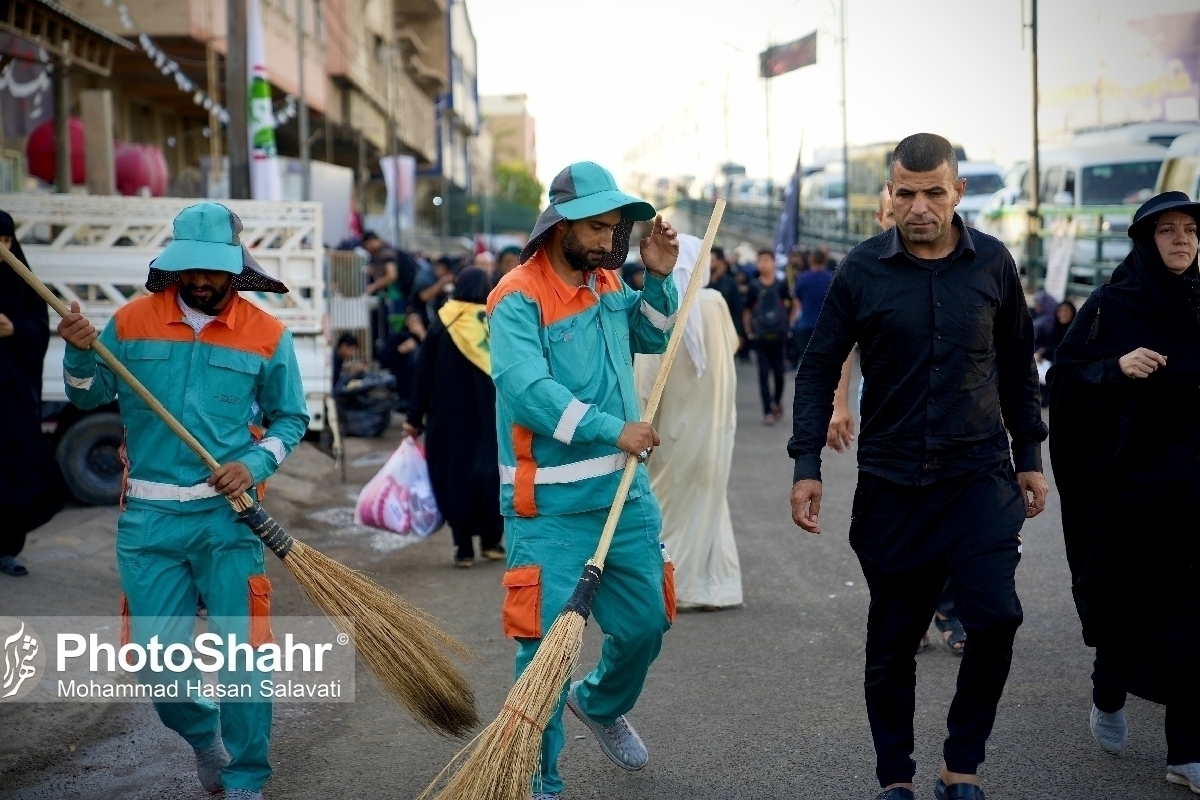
(824, 190)
(984, 179)
(1159, 133)
(1091, 181)
(1181, 168)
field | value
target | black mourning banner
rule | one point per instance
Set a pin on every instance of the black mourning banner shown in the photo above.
(789, 56)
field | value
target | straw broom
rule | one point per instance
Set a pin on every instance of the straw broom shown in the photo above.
(404, 646)
(506, 753)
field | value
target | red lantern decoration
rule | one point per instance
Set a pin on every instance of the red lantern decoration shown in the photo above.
(43, 162)
(159, 173)
(141, 169)
(133, 170)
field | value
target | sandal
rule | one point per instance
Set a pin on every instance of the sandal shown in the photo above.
(9, 566)
(957, 640)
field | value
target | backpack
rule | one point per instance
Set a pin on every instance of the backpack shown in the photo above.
(769, 318)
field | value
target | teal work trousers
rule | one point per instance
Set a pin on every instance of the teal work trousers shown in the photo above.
(630, 606)
(168, 559)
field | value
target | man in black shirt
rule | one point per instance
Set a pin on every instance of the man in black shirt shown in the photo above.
(947, 356)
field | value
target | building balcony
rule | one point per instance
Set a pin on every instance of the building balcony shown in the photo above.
(420, 8)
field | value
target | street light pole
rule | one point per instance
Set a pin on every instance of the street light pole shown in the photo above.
(845, 135)
(1034, 235)
(767, 102)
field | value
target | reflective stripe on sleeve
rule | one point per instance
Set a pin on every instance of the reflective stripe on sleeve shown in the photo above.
(656, 317)
(82, 384)
(274, 446)
(569, 421)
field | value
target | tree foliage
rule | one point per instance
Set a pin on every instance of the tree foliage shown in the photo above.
(515, 183)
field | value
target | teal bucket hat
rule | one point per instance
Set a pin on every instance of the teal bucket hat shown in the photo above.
(206, 236)
(584, 190)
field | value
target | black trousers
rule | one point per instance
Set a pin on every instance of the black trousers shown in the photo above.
(769, 353)
(910, 540)
(1111, 673)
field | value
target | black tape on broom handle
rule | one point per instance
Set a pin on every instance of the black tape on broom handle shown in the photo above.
(240, 503)
(660, 382)
(267, 529)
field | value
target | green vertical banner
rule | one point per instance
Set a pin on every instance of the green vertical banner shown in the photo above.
(265, 183)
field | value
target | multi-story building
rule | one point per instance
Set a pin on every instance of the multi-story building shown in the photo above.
(380, 76)
(514, 139)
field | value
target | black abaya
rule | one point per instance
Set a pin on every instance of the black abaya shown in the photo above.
(1126, 455)
(455, 401)
(31, 484)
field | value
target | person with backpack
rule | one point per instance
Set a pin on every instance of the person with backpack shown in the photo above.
(765, 317)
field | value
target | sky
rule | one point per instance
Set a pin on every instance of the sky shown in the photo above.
(670, 87)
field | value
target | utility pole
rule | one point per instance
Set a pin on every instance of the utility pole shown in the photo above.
(1035, 222)
(305, 144)
(845, 134)
(236, 88)
(214, 121)
(62, 125)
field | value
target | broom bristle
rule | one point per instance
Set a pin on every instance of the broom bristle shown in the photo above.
(506, 754)
(403, 645)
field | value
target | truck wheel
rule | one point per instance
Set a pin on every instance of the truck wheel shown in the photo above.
(89, 458)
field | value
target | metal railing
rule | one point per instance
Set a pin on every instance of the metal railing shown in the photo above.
(349, 309)
(1096, 236)
(1091, 241)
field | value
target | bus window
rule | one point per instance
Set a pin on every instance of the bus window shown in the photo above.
(1119, 184)
(1179, 174)
(1050, 181)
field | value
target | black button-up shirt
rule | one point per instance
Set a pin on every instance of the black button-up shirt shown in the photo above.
(947, 360)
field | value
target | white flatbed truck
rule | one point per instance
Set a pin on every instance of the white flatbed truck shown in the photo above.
(97, 251)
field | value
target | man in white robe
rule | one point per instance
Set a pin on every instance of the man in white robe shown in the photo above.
(689, 470)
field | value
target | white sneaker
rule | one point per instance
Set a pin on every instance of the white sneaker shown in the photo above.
(1185, 775)
(209, 763)
(619, 741)
(1110, 730)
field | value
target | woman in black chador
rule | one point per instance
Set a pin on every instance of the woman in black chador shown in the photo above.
(31, 485)
(454, 403)
(1125, 443)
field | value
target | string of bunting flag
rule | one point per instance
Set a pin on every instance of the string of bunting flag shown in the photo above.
(170, 68)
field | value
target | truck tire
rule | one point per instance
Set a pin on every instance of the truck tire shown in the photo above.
(90, 461)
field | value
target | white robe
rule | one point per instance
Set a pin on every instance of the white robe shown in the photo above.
(689, 471)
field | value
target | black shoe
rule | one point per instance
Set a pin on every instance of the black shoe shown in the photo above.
(898, 793)
(957, 791)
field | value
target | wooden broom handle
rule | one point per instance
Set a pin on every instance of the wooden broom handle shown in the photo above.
(660, 382)
(120, 369)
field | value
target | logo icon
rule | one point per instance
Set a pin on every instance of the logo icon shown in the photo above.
(23, 659)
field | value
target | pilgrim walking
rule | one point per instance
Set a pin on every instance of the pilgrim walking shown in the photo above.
(31, 485)
(947, 349)
(1126, 451)
(454, 405)
(696, 422)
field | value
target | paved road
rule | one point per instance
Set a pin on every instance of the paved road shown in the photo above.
(759, 702)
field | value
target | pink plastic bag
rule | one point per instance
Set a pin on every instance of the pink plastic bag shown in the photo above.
(400, 498)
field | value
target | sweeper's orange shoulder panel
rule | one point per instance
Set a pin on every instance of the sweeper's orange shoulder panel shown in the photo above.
(536, 280)
(151, 317)
(247, 328)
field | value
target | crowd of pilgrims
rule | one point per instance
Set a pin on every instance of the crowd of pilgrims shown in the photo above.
(1123, 393)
